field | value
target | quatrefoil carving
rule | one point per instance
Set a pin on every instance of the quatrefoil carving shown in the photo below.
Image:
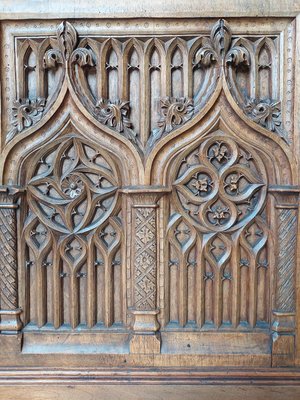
(220, 186)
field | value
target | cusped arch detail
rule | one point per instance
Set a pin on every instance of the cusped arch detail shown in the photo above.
(223, 113)
(67, 119)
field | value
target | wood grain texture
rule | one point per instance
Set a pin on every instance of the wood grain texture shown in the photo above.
(286, 266)
(8, 256)
(157, 238)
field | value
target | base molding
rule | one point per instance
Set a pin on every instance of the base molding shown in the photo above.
(153, 376)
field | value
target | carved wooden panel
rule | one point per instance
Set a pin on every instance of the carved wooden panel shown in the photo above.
(218, 236)
(72, 236)
(149, 198)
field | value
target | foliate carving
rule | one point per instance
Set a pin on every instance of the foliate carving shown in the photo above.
(216, 49)
(267, 114)
(83, 57)
(52, 59)
(67, 38)
(25, 114)
(164, 81)
(145, 259)
(238, 55)
(115, 115)
(75, 190)
(221, 36)
(220, 187)
(175, 112)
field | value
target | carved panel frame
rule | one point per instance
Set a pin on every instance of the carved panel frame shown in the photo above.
(148, 161)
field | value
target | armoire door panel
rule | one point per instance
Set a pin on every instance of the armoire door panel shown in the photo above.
(149, 194)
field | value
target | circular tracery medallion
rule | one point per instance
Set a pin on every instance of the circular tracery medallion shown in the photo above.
(220, 185)
(73, 186)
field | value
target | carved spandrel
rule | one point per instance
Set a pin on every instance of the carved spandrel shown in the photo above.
(182, 73)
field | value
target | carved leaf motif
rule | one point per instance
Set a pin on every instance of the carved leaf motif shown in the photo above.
(83, 57)
(52, 58)
(237, 55)
(267, 113)
(175, 112)
(221, 37)
(115, 115)
(206, 55)
(67, 38)
(25, 114)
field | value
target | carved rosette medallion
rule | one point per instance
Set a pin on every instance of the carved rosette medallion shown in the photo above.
(221, 187)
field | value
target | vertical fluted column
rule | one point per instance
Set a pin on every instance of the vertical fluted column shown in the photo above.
(143, 202)
(9, 311)
(286, 200)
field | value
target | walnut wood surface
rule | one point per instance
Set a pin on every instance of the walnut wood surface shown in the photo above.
(149, 197)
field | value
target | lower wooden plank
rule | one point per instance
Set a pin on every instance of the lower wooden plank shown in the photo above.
(148, 392)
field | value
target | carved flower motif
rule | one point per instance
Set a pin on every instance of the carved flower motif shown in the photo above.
(266, 113)
(201, 185)
(26, 113)
(219, 214)
(218, 191)
(114, 114)
(72, 186)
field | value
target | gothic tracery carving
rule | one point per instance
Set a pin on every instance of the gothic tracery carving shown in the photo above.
(182, 74)
(72, 227)
(216, 187)
(218, 201)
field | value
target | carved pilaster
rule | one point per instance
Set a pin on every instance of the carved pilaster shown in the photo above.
(144, 206)
(9, 311)
(286, 206)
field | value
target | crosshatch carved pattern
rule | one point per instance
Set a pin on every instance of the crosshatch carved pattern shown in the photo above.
(8, 256)
(145, 259)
